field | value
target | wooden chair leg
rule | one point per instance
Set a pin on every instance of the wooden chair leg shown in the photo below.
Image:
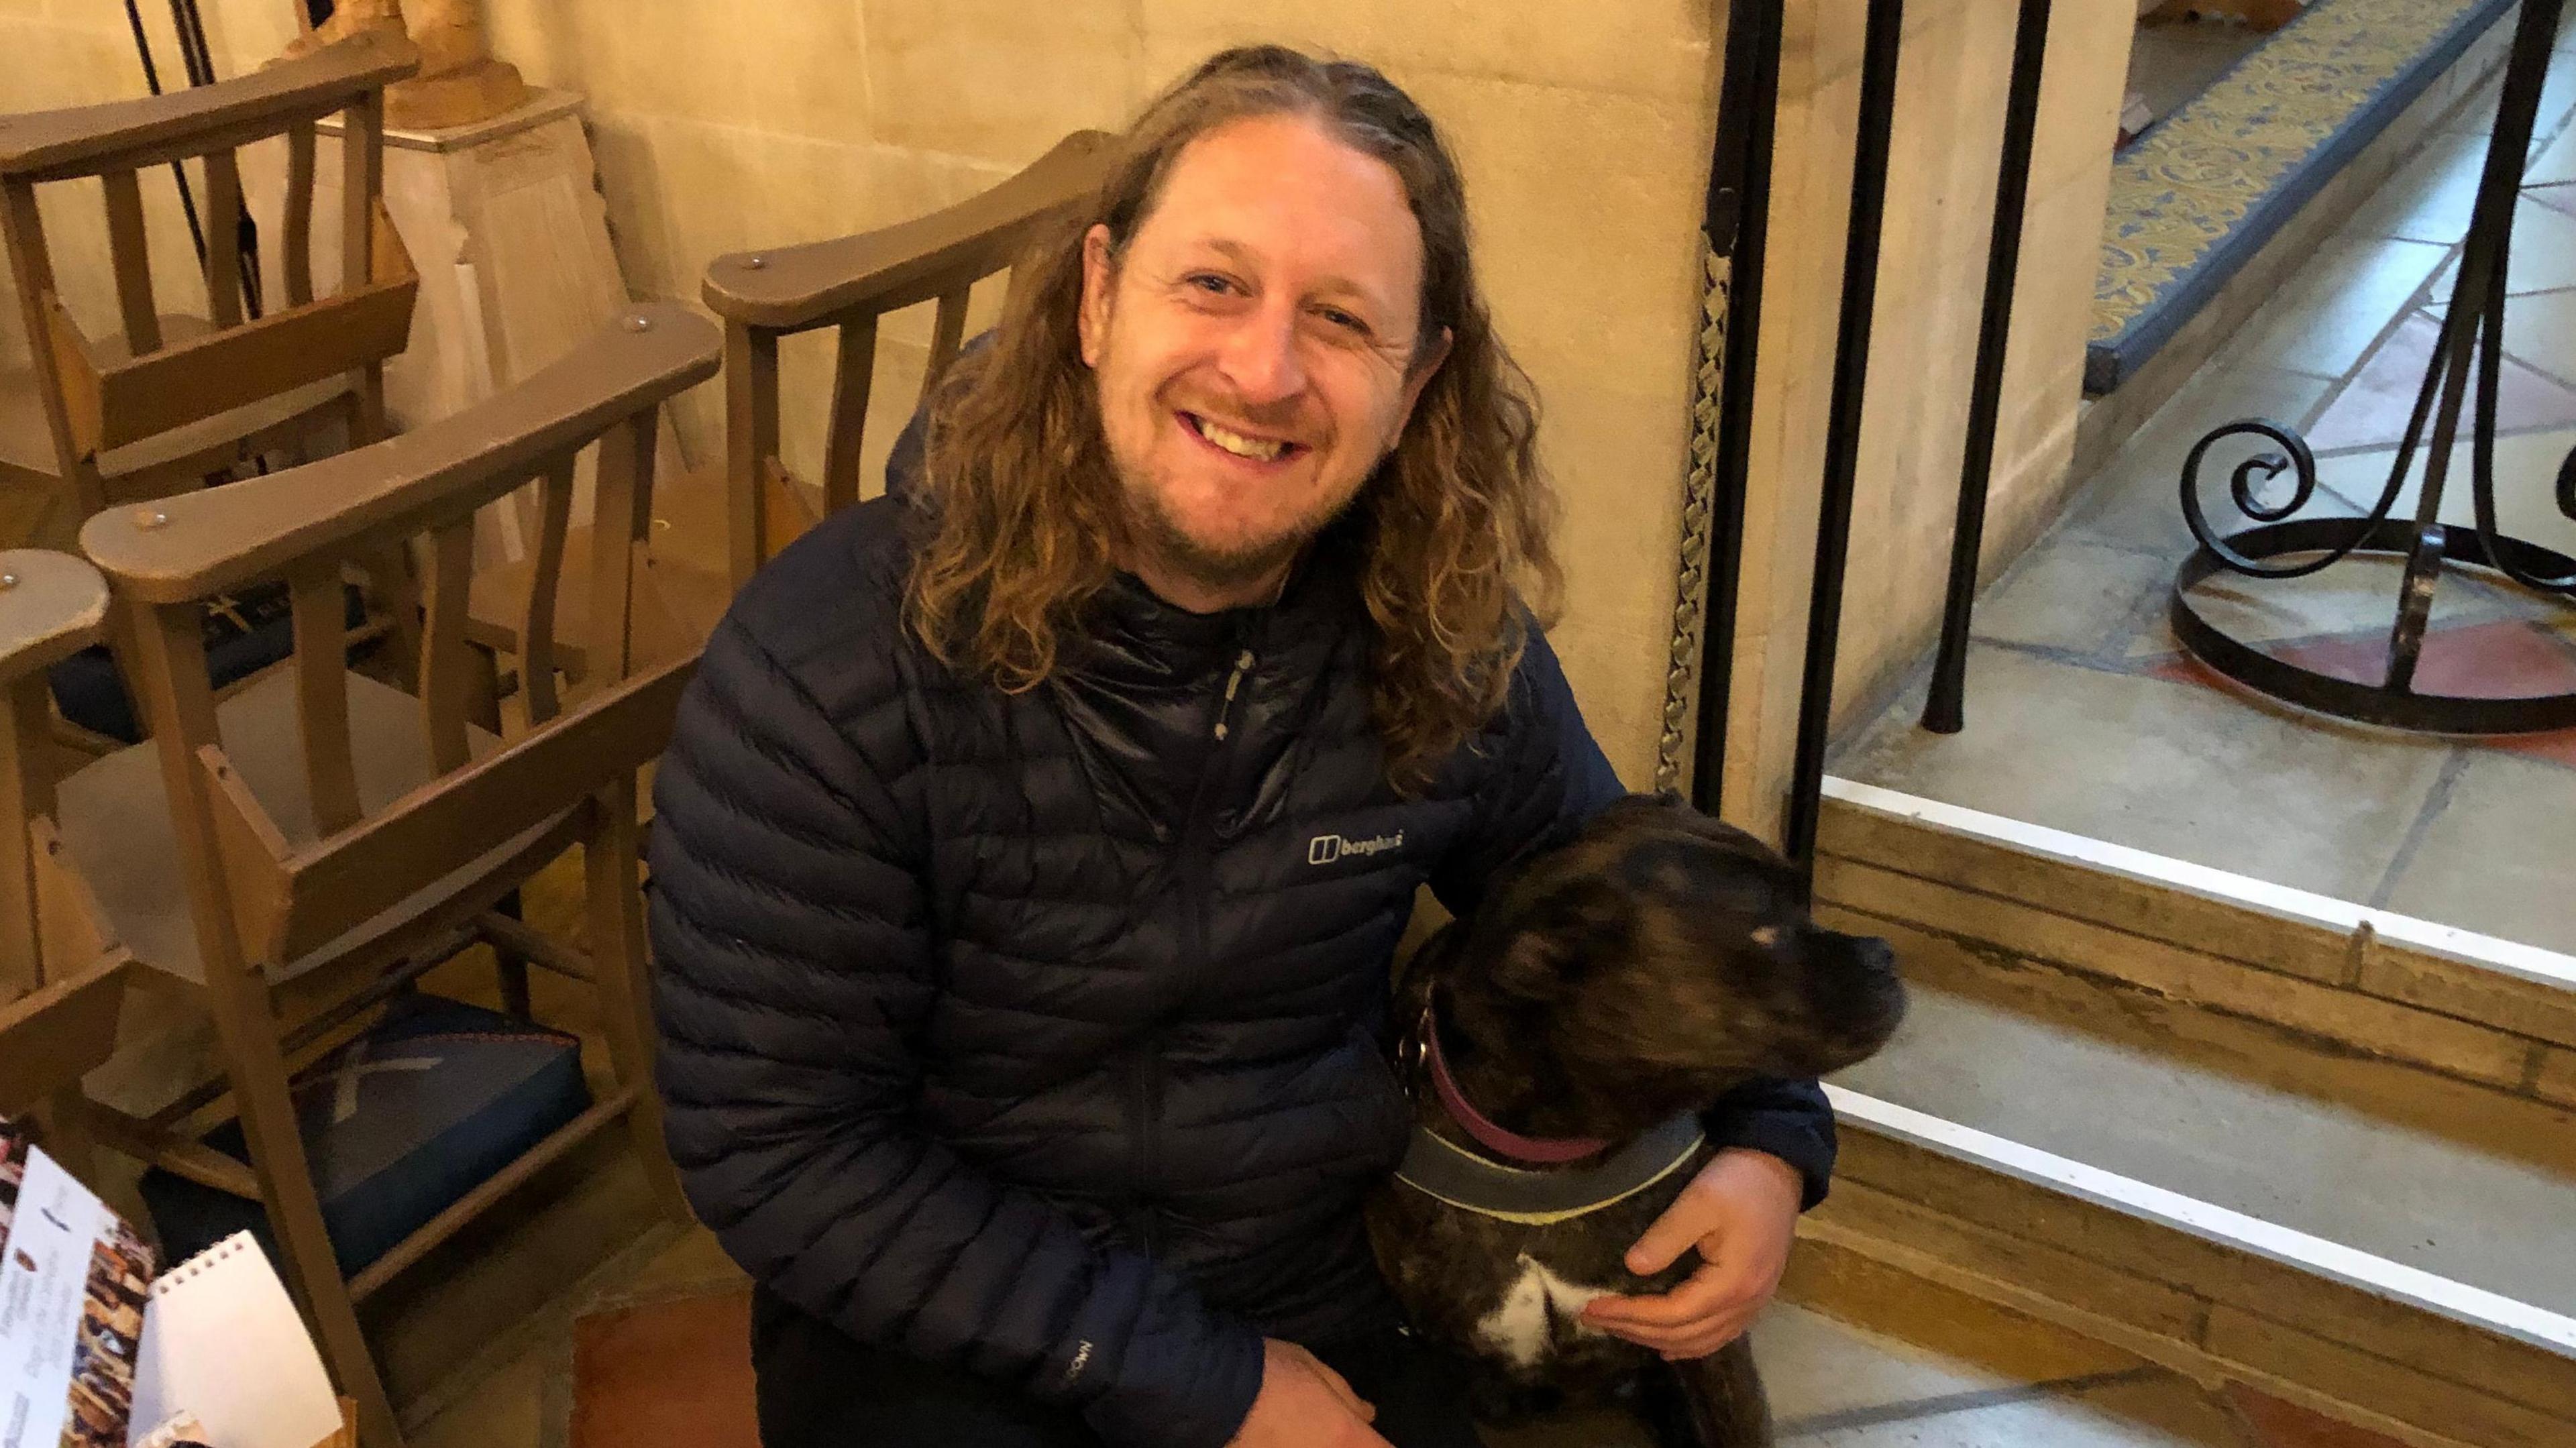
(65, 1135)
(311, 1269)
(618, 962)
(512, 967)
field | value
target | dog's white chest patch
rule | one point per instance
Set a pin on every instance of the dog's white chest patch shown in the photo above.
(1524, 1326)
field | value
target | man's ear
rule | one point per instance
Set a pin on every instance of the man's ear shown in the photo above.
(1099, 277)
(1421, 376)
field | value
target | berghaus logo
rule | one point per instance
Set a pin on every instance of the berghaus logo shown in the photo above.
(1325, 849)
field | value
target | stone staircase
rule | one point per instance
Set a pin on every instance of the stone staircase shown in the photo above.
(2254, 1135)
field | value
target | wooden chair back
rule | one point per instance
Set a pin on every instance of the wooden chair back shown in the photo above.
(52, 605)
(267, 890)
(58, 1000)
(848, 283)
(99, 398)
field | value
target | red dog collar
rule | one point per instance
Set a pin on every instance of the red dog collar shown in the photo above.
(1534, 1150)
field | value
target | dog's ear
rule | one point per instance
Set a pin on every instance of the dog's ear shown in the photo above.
(1554, 943)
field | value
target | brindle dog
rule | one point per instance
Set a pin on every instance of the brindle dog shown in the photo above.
(1606, 989)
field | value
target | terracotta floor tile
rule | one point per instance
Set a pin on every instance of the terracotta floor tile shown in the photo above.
(2505, 660)
(2373, 409)
(2286, 1425)
(666, 1375)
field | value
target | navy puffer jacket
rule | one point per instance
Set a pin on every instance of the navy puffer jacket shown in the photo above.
(1041, 1035)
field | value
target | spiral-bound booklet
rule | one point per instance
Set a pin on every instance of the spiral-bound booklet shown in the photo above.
(222, 1344)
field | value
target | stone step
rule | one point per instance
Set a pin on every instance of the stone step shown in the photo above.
(2250, 1135)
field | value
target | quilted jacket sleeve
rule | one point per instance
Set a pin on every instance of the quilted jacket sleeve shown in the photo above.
(796, 968)
(1549, 776)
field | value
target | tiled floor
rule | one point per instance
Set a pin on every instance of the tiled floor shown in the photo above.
(2084, 714)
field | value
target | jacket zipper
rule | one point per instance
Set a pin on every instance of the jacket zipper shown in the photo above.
(1195, 889)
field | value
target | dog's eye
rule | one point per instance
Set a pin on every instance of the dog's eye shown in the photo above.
(1767, 936)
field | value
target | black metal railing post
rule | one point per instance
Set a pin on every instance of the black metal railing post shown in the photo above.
(1881, 44)
(1738, 228)
(1944, 710)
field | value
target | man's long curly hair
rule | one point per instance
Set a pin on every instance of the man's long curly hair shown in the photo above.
(1024, 510)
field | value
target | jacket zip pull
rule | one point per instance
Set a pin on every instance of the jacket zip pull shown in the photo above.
(1234, 681)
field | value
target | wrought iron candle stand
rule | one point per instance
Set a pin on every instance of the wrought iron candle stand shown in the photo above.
(2283, 546)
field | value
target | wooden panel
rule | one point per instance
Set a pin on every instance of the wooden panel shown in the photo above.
(129, 251)
(73, 925)
(751, 439)
(254, 855)
(223, 238)
(26, 791)
(625, 475)
(341, 882)
(219, 538)
(946, 334)
(853, 370)
(296, 258)
(224, 370)
(362, 182)
(76, 373)
(447, 660)
(322, 695)
(48, 145)
(796, 287)
(545, 576)
(52, 1038)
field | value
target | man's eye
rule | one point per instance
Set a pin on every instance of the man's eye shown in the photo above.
(1343, 320)
(1208, 282)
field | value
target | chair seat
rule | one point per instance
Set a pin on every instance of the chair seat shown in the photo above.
(115, 817)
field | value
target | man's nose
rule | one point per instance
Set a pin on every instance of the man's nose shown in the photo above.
(1260, 360)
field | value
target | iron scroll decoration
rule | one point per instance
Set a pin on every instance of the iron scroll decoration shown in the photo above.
(2282, 545)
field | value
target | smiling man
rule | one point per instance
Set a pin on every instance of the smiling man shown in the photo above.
(1034, 842)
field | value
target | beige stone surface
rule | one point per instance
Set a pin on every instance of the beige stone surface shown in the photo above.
(2466, 988)
(2492, 1119)
(1942, 177)
(2140, 906)
(2388, 1386)
(2381, 1027)
(2555, 1076)
(1994, 1245)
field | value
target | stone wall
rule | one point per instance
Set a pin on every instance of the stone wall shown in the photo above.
(1948, 132)
(1584, 135)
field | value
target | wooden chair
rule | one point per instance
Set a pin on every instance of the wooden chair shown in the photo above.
(299, 852)
(178, 397)
(58, 1000)
(848, 283)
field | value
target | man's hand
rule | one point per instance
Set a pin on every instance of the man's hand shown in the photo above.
(1741, 1212)
(1304, 1404)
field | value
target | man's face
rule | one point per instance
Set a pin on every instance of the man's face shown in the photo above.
(1253, 350)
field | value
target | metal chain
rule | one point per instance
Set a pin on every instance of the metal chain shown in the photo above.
(1699, 502)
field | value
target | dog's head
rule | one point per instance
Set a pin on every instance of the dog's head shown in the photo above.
(1658, 959)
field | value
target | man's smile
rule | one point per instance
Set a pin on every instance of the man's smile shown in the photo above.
(1240, 444)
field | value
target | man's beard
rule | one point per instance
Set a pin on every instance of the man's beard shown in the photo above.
(1220, 569)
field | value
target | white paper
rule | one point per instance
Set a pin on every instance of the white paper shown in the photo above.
(44, 1278)
(221, 1341)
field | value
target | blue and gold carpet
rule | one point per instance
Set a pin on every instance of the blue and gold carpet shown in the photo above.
(2196, 196)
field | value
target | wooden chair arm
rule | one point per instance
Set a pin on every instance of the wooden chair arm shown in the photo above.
(197, 544)
(51, 1038)
(791, 288)
(52, 606)
(51, 145)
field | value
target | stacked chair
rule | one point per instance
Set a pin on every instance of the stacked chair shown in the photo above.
(295, 843)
